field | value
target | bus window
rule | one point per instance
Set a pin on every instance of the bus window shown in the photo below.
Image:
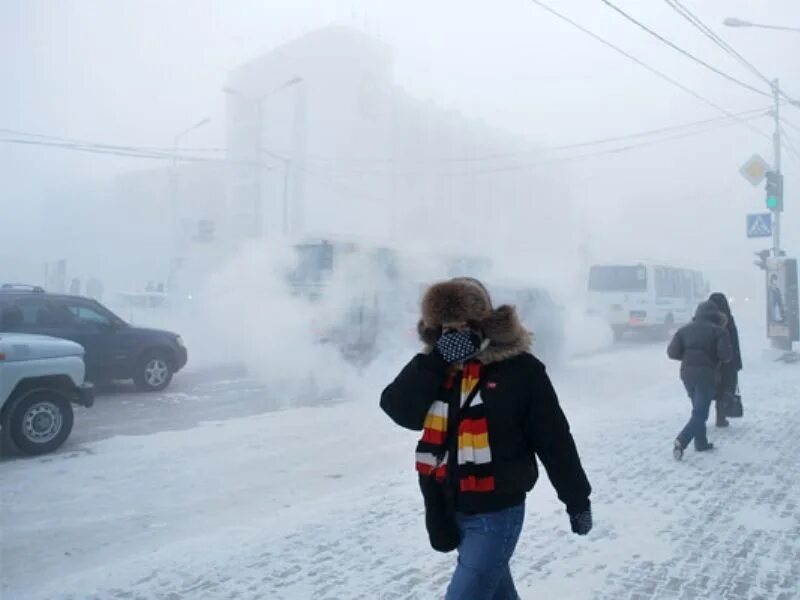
(618, 279)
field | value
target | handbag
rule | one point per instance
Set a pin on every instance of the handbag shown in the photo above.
(440, 511)
(733, 406)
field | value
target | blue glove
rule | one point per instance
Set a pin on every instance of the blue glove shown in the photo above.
(581, 522)
(458, 346)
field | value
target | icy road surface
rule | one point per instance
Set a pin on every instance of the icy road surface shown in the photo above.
(216, 490)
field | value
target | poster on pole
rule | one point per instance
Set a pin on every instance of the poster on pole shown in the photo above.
(783, 312)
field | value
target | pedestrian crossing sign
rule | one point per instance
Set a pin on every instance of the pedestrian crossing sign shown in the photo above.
(759, 225)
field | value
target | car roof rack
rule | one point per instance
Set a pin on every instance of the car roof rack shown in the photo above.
(21, 287)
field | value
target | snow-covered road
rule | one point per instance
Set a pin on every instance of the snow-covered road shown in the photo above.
(321, 503)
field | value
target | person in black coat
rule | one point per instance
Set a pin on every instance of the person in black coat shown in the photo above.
(702, 346)
(486, 409)
(729, 374)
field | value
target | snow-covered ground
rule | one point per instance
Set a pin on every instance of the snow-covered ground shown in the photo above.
(321, 502)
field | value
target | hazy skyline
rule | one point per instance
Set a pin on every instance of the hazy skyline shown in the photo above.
(138, 72)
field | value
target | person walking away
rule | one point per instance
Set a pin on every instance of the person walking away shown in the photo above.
(702, 346)
(729, 374)
(486, 409)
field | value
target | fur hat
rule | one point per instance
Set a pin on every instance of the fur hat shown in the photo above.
(457, 300)
(467, 300)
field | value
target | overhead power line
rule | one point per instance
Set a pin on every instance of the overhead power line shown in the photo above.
(789, 144)
(643, 64)
(706, 30)
(530, 165)
(90, 149)
(683, 131)
(714, 37)
(285, 154)
(188, 153)
(100, 148)
(790, 124)
(684, 52)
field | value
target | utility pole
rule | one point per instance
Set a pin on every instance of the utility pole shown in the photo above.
(257, 230)
(258, 216)
(779, 343)
(285, 197)
(775, 204)
(173, 184)
(776, 139)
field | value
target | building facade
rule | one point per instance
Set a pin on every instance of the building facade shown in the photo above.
(322, 140)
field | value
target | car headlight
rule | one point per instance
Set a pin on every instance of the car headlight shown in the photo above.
(179, 341)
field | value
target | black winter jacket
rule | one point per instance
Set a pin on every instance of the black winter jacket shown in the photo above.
(702, 346)
(524, 420)
(735, 365)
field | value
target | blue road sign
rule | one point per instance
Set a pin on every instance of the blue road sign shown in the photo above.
(759, 225)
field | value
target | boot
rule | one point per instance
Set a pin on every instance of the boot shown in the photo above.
(677, 450)
(705, 448)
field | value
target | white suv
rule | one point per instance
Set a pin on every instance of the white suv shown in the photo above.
(40, 378)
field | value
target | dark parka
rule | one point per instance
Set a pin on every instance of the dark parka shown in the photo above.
(729, 371)
(702, 346)
(522, 411)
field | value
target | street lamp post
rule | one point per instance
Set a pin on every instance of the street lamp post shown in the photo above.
(173, 192)
(259, 150)
(779, 343)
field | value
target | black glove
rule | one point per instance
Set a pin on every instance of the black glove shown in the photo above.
(581, 522)
(458, 346)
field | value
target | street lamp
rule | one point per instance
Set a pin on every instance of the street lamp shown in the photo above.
(734, 22)
(174, 173)
(775, 182)
(259, 103)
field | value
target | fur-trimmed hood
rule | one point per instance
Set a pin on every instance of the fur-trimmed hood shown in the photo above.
(467, 300)
(707, 311)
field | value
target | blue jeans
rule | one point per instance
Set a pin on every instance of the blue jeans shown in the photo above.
(701, 393)
(487, 543)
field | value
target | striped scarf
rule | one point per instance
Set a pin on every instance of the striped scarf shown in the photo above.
(475, 472)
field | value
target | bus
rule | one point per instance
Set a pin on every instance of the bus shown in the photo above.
(645, 296)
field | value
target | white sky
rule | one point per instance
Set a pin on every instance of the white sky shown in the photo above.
(137, 72)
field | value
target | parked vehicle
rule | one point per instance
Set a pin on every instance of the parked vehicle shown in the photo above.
(643, 296)
(40, 378)
(114, 349)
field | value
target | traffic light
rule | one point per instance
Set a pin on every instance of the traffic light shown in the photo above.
(761, 263)
(774, 191)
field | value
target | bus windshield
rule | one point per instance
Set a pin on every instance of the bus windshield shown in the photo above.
(618, 279)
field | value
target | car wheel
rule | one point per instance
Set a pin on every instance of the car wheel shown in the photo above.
(40, 421)
(154, 372)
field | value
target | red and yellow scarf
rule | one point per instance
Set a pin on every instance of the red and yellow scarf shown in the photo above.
(475, 473)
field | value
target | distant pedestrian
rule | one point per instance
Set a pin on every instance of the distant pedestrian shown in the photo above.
(702, 346)
(486, 409)
(729, 374)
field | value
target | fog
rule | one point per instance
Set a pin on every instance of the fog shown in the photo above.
(135, 74)
(191, 149)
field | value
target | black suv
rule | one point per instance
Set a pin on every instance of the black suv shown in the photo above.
(114, 349)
